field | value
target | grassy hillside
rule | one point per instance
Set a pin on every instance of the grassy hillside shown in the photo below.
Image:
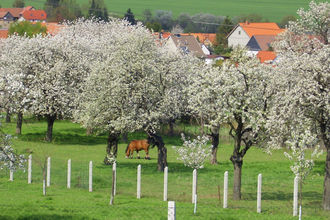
(18, 200)
(270, 9)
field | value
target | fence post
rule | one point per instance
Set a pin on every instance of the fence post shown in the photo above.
(138, 193)
(259, 193)
(69, 174)
(113, 185)
(194, 185)
(171, 215)
(48, 171)
(165, 183)
(195, 204)
(114, 170)
(11, 172)
(295, 196)
(30, 169)
(225, 190)
(90, 179)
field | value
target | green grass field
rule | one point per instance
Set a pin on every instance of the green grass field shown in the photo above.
(272, 10)
(19, 200)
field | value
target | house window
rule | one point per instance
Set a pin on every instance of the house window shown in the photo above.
(239, 32)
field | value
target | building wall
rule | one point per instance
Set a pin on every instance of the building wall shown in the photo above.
(238, 37)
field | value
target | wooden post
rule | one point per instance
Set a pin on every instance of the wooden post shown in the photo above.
(11, 172)
(225, 190)
(48, 171)
(30, 169)
(259, 193)
(295, 196)
(171, 212)
(113, 186)
(194, 186)
(69, 174)
(138, 193)
(90, 179)
(114, 169)
(165, 183)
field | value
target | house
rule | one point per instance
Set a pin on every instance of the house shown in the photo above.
(33, 16)
(260, 42)
(243, 32)
(208, 39)
(266, 56)
(5, 19)
(17, 12)
(186, 44)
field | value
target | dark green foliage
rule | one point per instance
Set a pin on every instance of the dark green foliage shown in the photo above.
(26, 28)
(224, 29)
(147, 16)
(98, 10)
(68, 10)
(285, 20)
(50, 8)
(250, 18)
(129, 16)
(18, 4)
(155, 26)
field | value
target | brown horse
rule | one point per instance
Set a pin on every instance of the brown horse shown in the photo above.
(137, 145)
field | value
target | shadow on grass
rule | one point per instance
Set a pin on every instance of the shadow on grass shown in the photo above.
(282, 196)
(46, 216)
(65, 138)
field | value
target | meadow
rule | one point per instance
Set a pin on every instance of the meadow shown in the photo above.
(19, 200)
(272, 10)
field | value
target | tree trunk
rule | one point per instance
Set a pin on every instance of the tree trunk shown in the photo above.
(326, 193)
(237, 180)
(215, 144)
(112, 147)
(125, 137)
(156, 140)
(8, 119)
(171, 126)
(89, 131)
(50, 122)
(19, 123)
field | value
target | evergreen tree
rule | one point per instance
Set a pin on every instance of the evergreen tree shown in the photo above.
(18, 4)
(129, 16)
(225, 28)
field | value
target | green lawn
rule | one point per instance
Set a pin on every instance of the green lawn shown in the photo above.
(18, 200)
(270, 9)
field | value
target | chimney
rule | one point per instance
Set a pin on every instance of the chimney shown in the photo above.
(246, 22)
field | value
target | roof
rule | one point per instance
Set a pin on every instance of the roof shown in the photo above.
(34, 15)
(3, 13)
(261, 28)
(264, 56)
(16, 12)
(53, 28)
(260, 42)
(3, 33)
(188, 43)
(202, 37)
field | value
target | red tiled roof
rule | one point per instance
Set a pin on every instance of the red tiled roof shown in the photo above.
(261, 28)
(266, 56)
(34, 15)
(3, 33)
(16, 12)
(53, 28)
(3, 13)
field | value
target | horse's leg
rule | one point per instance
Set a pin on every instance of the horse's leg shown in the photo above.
(147, 154)
(138, 154)
(131, 153)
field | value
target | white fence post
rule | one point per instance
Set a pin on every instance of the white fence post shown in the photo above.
(195, 204)
(225, 190)
(114, 169)
(194, 185)
(69, 174)
(48, 171)
(259, 193)
(90, 179)
(171, 212)
(30, 169)
(138, 193)
(11, 172)
(165, 183)
(295, 196)
(112, 197)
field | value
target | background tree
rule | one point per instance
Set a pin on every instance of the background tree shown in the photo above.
(286, 19)
(249, 18)
(18, 4)
(183, 20)
(129, 16)
(164, 18)
(98, 10)
(50, 8)
(154, 26)
(224, 29)
(68, 10)
(26, 28)
(147, 16)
